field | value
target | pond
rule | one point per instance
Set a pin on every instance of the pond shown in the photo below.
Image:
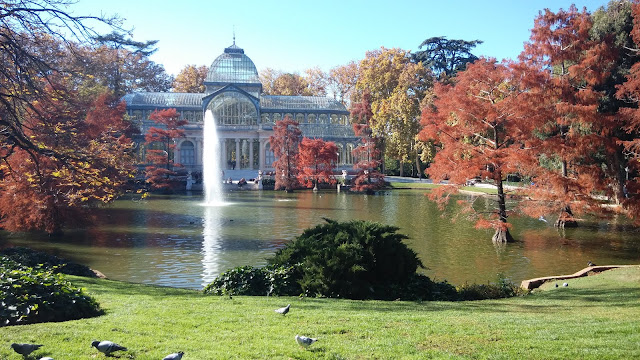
(176, 241)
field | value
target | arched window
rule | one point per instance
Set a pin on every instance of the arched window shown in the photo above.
(265, 118)
(348, 155)
(187, 153)
(323, 119)
(311, 118)
(340, 154)
(300, 118)
(233, 108)
(269, 158)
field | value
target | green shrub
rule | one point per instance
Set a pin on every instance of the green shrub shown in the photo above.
(249, 280)
(32, 295)
(355, 259)
(32, 258)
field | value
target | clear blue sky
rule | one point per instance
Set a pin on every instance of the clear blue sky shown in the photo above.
(294, 35)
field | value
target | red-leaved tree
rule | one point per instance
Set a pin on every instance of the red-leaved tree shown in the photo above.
(630, 92)
(316, 160)
(367, 154)
(566, 175)
(285, 143)
(92, 166)
(160, 142)
(479, 131)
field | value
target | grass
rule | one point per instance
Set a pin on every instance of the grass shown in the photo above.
(401, 185)
(594, 318)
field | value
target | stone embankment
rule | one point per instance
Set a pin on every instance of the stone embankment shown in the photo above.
(535, 283)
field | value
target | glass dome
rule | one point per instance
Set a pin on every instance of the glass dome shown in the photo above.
(233, 66)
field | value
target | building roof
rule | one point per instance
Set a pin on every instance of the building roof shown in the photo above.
(233, 66)
(168, 99)
(302, 103)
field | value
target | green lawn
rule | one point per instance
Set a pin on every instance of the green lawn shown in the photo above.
(596, 317)
(402, 185)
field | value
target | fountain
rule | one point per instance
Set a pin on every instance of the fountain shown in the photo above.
(211, 169)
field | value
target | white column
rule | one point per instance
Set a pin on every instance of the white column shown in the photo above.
(251, 154)
(261, 155)
(237, 153)
(223, 153)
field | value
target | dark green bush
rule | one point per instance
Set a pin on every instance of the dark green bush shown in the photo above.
(355, 259)
(32, 258)
(34, 294)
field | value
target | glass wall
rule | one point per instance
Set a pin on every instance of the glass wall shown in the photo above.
(232, 108)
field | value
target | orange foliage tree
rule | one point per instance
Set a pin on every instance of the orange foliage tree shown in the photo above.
(160, 142)
(316, 160)
(569, 125)
(479, 131)
(92, 163)
(285, 143)
(630, 92)
(367, 154)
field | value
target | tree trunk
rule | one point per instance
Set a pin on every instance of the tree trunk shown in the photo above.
(621, 176)
(418, 165)
(401, 168)
(502, 236)
(566, 219)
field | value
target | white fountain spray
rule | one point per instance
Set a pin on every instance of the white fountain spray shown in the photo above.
(211, 169)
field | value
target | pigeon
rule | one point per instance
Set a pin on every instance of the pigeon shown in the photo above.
(283, 310)
(174, 356)
(107, 347)
(305, 341)
(590, 264)
(25, 349)
(565, 284)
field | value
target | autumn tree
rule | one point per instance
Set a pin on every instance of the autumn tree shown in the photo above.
(341, 82)
(567, 175)
(92, 162)
(613, 26)
(317, 81)
(629, 92)
(285, 143)
(160, 143)
(366, 154)
(23, 27)
(397, 87)
(316, 160)
(126, 66)
(480, 131)
(191, 79)
(446, 57)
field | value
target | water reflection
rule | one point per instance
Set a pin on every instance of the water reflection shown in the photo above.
(176, 241)
(211, 244)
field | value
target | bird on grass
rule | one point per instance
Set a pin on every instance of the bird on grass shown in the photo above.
(590, 264)
(565, 284)
(174, 356)
(25, 349)
(46, 358)
(305, 341)
(107, 347)
(283, 310)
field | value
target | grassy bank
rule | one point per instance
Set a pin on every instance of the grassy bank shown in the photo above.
(594, 318)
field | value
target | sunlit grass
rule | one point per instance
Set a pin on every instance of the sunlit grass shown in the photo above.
(593, 318)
